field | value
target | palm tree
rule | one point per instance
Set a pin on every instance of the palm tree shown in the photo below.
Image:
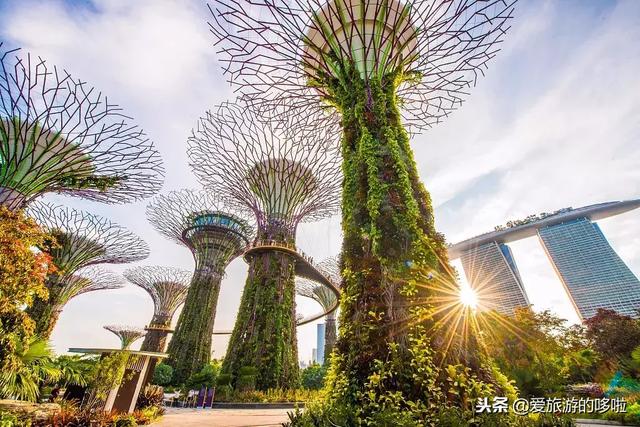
(36, 366)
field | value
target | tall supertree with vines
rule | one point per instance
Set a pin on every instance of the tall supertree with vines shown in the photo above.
(283, 179)
(78, 240)
(127, 334)
(326, 298)
(374, 71)
(167, 287)
(57, 134)
(215, 232)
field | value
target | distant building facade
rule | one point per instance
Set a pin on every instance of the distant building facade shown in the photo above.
(592, 273)
(492, 272)
(320, 344)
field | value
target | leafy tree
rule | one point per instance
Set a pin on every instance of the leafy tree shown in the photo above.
(22, 277)
(539, 351)
(163, 374)
(613, 335)
(313, 376)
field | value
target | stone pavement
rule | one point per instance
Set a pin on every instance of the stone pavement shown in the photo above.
(189, 417)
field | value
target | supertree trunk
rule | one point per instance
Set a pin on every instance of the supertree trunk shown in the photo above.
(264, 335)
(390, 244)
(330, 336)
(154, 341)
(45, 315)
(156, 338)
(190, 347)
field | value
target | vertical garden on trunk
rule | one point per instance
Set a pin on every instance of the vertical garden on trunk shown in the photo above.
(215, 233)
(265, 331)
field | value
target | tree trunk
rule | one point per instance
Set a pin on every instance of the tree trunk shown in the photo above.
(264, 335)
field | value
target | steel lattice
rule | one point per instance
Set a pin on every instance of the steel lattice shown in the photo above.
(167, 287)
(282, 53)
(57, 134)
(282, 177)
(83, 239)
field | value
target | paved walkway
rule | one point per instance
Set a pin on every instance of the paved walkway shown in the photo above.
(188, 417)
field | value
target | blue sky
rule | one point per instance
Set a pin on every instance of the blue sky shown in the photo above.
(555, 123)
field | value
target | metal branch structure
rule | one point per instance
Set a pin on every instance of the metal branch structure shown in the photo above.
(167, 287)
(326, 298)
(293, 51)
(215, 232)
(63, 289)
(127, 334)
(57, 134)
(79, 240)
(372, 71)
(283, 178)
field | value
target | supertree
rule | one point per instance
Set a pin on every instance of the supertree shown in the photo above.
(78, 239)
(127, 334)
(167, 287)
(283, 179)
(215, 232)
(326, 298)
(59, 135)
(364, 68)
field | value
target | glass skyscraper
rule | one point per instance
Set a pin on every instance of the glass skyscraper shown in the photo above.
(492, 272)
(592, 272)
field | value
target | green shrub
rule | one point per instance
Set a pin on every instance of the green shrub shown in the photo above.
(163, 375)
(313, 376)
(148, 415)
(205, 378)
(7, 419)
(247, 376)
(151, 396)
(124, 421)
(224, 379)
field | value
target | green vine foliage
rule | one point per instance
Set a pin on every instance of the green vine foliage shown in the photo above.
(107, 374)
(45, 312)
(190, 348)
(391, 366)
(264, 335)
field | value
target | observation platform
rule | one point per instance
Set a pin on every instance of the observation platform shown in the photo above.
(304, 267)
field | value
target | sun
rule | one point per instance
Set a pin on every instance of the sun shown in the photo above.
(468, 297)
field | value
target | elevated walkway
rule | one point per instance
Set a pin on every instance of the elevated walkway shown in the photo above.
(305, 267)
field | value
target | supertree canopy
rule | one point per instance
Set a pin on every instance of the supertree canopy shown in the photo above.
(216, 232)
(365, 68)
(167, 287)
(326, 298)
(59, 135)
(90, 279)
(283, 179)
(127, 334)
(79, 239)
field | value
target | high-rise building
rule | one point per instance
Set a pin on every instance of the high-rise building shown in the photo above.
(592, 273)
(492, 272)
(320, 343)
(590, 270)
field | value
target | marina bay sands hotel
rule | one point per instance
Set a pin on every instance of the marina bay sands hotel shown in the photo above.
(592, 273)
